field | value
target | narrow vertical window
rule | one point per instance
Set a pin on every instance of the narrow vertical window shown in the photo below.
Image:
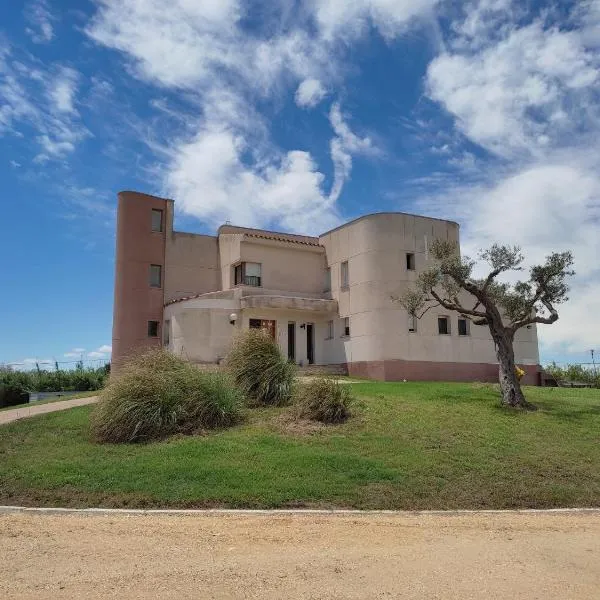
(327, 284)
(329, 330)
(412, 323)
(347, 326)
(155, 276)
(157, 220)
(410, 261)
(167, 332)
(152, 328)
(463, 327)
(443, 326)
(344, 279)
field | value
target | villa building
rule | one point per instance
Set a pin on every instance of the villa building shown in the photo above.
(326, 300)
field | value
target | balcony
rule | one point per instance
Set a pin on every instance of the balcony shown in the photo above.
(320, 305)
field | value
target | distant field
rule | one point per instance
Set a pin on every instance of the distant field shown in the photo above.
(409, 446)
(49, 400)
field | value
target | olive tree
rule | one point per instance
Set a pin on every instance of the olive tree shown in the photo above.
(503, 307)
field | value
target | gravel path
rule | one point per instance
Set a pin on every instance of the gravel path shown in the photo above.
(8, 416)
(543, 556)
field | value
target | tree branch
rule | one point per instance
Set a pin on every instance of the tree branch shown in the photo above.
(537, 318)
(457, 307)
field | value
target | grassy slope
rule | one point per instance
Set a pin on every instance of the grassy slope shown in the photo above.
(410, 446)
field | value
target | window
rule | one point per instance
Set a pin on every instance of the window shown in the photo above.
(247, 273)
(412, 323)
(166, 332)
(157, 220)
(265, 325)
(155, 276)
(327, 285)
(346, 326)
(329, 330)
(152, 328)
(410, 261)
(443, 326)
(463, 327)
(344, 275)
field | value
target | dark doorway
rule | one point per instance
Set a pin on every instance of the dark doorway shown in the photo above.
(292, 342)
(310, 343)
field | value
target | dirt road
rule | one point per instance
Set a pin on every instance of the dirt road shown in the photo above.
(487, 556)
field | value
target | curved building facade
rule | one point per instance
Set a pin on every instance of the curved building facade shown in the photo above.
(327, 300)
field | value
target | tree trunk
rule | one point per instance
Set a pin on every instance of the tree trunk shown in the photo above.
(512, 395)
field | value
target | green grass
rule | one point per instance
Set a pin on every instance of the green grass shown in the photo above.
(408, 446)
(51, 400)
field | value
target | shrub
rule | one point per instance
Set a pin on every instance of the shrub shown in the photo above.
(260, 370)
(79, 379)
(324, 399)
(12, 395)
(157, 394)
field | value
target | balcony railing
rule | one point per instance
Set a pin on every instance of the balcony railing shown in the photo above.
(252, 280)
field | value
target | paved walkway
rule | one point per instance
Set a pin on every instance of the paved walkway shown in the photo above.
(8, 416)
(521, 556)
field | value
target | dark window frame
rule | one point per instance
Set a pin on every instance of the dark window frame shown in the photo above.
(160, 212)
(150, 274)
(411, 261)
(446, 320)
(153, 329)
(346, 327)
(467, 331)
(240, 277)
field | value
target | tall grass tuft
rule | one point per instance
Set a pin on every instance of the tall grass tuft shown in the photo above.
(260, 370)
(324, 399)
(157, 394)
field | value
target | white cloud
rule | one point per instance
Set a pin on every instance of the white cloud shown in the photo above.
(105, 349)
(63, 88)
(309, 93)
(96, 355)
(528, 94)
(14, 164)
(40, 18)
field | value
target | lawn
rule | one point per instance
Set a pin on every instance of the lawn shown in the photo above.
(409, 446)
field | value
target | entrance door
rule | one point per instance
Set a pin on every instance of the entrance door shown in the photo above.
(264, 324)
(292, 342)
(310, 343)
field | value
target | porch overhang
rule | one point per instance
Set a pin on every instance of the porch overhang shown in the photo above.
(320, 305)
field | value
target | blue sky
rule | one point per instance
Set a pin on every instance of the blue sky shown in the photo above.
(289, 115)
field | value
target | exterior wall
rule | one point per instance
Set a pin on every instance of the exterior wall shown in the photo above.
(287, 267)
(200, 329)
(192, 265)
(375, 247)
(137, 247)
(229, 254)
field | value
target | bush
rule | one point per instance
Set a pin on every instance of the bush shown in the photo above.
(156, 394)
(12, 395)
(574, 373)
(260, 370)
(79, 379)
(324, 399)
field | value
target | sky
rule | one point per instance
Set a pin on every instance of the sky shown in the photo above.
(296, 116)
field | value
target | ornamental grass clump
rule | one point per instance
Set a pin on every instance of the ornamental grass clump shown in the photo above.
(157, 394)
(260, 370)
(324, 399)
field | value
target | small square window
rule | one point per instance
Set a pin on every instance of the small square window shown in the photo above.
(152, 328)
(347, 326)
(410, 261)
(344, 279)
(157, 220)
(329, 330)
(463, 327)
(412, 323)
(443, 326)
(155, 276)
(248, 274)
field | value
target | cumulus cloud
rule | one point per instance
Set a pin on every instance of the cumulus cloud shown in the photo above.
(309, 93)
(529, 95)
(63, 88)
(105, 349)
(224, 167)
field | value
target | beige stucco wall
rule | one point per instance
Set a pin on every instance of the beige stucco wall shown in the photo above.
(192, 265)
(287, 266)
(375, 248)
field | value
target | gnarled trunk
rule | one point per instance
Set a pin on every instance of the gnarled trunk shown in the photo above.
(512, 394)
